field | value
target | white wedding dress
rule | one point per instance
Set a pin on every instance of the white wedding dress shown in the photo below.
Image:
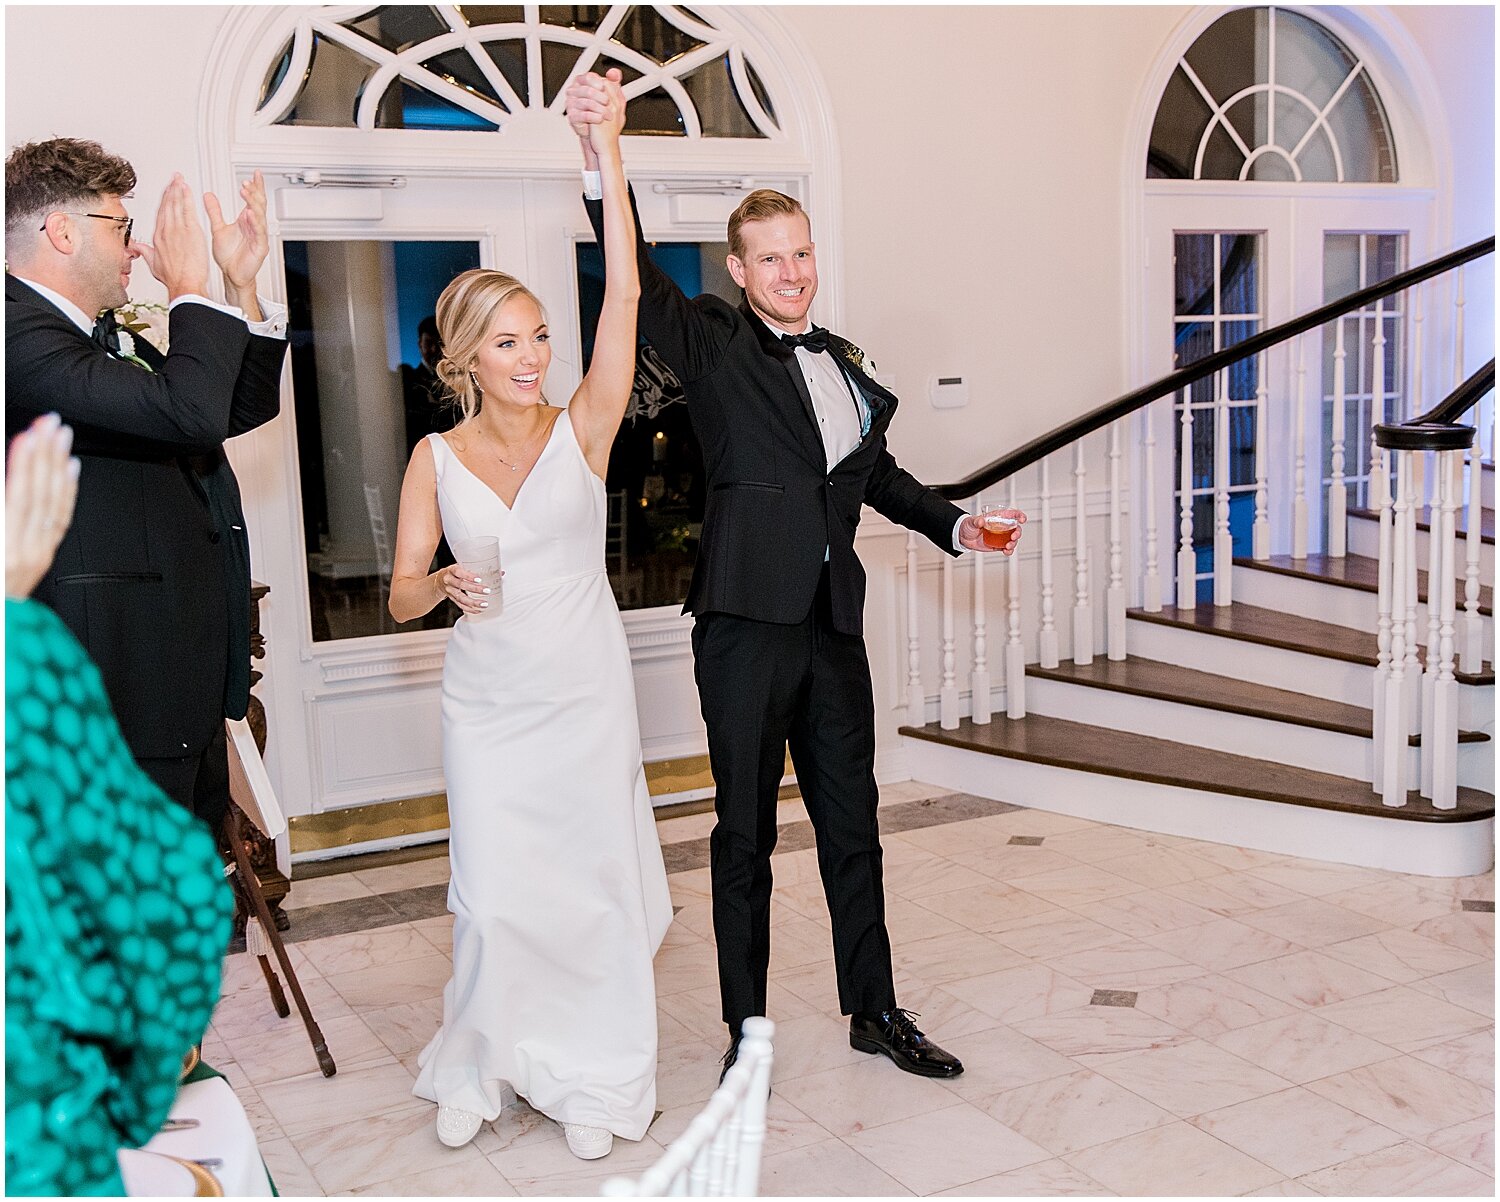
(558, 892)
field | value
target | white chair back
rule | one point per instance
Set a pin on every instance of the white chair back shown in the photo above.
(718, 1156)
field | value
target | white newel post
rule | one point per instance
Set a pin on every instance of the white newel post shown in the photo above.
(916, 699)
(1430, 670)
(1223, 540)
(1444, 746)
(948, 690)
(1394, 720)
(1114, 597)
(1047, 654)
(1083, 609)
(1187, 561)
(1299, 470)
(1377, 390)
(1381, 499)
(1337, 492)
(979, 677)
(1151, 583)
(1015, 653)
(1411, 677)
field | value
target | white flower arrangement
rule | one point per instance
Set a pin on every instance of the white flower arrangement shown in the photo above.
(142, 319)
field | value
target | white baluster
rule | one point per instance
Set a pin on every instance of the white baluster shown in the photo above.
(979, 678)
(1151, 584)
(1416, 352)
(1015, 653)
(1444, 745)
(1394, 726)
(1047, 636)
(1260, 530)
(1434, 607)
(1411, 677)
(1337, 490)
(1187, 560)
(1114, 597)
(1299, 468)
(1083, 609)
(1458, 326)
(1472, 658)
(916, 699)
(1381, 499)
(1377, 385)
(1223, 541)
(948, 690)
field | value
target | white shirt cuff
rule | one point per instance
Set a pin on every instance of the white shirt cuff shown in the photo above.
(958, 546)
(593, 185)
(272, 325)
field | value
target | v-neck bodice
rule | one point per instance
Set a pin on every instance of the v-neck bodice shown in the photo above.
(554, 528)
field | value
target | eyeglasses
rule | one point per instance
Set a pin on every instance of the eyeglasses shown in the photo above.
(127, 222)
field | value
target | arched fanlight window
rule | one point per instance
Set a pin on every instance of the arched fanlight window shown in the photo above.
(1269, 94)
(477, 67)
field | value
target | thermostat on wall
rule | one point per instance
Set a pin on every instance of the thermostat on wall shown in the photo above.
(949, 392)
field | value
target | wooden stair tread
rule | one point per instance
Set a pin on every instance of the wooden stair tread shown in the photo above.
(1187, 686)
(1060, 743)
(1486, 521)
(1291, 632)
(1360, 572)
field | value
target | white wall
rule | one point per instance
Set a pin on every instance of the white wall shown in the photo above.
(982, 157)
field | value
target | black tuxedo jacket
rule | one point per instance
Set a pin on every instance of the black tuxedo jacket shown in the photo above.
(773, 503)
(153, 576)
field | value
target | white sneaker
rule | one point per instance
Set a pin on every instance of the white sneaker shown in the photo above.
(457, 1127)
(588, 1143)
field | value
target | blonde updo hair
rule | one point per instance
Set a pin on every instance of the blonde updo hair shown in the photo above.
(465, 312)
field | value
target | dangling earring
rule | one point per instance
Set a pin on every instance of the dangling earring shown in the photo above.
(473, 379)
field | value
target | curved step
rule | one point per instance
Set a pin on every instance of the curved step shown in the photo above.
(1291, 632)
(1063, 744)
(1187, 686)
(1352, 571)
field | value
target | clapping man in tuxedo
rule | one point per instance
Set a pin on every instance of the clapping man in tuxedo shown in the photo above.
(153, 577)
(793, 435)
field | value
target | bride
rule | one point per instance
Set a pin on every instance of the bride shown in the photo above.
(558, 893)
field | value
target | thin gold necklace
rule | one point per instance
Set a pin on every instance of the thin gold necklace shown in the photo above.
(515, 467)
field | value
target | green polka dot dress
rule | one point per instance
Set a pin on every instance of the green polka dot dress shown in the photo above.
(116, 920)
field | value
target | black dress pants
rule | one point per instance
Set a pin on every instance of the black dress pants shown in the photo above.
(764, 687)
(199, 783)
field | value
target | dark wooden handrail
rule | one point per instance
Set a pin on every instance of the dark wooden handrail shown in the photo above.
(1438, 428)
(1039, 448)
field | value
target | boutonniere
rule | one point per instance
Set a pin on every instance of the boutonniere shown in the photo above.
(857, 359)
(142, 319)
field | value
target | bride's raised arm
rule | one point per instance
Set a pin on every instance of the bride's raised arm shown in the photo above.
(599, 404)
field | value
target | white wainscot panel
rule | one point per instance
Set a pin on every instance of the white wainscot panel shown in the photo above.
(377, 744)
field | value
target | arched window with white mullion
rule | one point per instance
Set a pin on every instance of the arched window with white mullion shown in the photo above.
(479, 67)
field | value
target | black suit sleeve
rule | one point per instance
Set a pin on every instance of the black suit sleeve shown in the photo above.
(51, 366)
(257, 389)
(896, 494)
(691, 338)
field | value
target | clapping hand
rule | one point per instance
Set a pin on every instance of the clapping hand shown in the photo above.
(41, 484)
(177, 253)
(240, 246)
(994, 522)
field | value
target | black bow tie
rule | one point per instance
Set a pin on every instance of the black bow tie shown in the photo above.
(815, 340)
(107, 331)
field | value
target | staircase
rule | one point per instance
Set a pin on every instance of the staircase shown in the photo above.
(1288, 715)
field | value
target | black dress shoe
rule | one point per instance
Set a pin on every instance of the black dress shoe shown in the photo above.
(730, 1057)
(895, 1034)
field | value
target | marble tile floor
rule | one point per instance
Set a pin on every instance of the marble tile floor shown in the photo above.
(1139, 1014)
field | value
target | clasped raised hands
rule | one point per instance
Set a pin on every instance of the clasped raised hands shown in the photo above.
(596, 111)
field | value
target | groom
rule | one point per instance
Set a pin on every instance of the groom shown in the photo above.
(793, 435)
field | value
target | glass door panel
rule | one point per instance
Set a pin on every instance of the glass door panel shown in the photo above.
(363, 350)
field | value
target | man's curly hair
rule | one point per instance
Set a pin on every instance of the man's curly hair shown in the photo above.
(42, 177)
